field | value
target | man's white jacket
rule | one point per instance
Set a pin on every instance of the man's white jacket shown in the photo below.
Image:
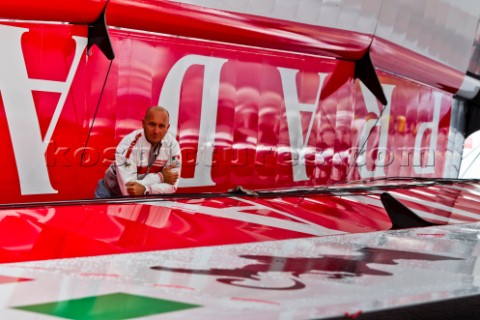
(131, 164)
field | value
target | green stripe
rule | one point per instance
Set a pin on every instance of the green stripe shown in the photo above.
(108, 307)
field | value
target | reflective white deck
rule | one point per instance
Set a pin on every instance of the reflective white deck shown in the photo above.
(345, 275)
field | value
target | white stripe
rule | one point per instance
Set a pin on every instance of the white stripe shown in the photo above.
(430, 194)
(239, 214)
(475, 191)
(469, 87)
(371, 200)
(260, 206)
(437, 206)
(420, 213)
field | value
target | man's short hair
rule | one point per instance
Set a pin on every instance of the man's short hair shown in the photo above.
(157, 108)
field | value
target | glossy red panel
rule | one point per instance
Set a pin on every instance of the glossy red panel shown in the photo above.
(194, 21)
(244, 117)
(39, 233)
(415, 66)
(76, 11)
(204, 23)
(442, 204)
(183, 19)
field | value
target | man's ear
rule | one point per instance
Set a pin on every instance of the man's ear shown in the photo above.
(168, 127)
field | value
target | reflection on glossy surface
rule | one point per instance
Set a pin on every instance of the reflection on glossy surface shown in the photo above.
(337, 267)
(100, 228)
(340, 275)
(247, 117)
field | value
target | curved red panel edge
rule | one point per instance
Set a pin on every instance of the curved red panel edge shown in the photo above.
(74, 11)
(404, 62)
(216, 25)
(197, 22)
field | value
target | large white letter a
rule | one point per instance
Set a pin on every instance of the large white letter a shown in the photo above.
(16, 89)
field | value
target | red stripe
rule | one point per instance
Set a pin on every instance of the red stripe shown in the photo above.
(134, 142)
(156, 169)
(142, 170)
(153, 169)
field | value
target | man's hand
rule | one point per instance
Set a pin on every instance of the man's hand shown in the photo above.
(135, 188)
(169, 176)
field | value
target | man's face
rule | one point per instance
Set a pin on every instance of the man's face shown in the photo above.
(155, 126)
